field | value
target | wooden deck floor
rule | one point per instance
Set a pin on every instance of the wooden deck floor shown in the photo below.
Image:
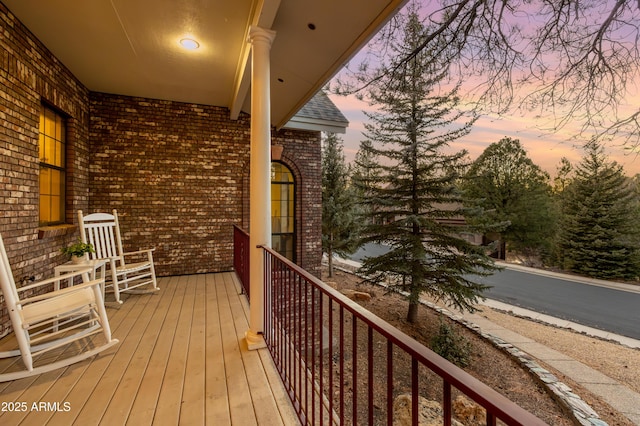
(182, 359)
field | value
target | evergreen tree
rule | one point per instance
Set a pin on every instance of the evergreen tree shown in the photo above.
(364, 177)
(515, 192)
(561, 183)
(599, 235)
(410, 195)
(563, 177)
(339, 230)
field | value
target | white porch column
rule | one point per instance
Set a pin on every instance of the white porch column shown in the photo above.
(260, 179)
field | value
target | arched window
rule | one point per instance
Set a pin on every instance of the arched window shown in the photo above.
(282, 211)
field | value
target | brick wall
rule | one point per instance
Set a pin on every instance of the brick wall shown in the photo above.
(173, 172)
(29, 75)
(177, 174)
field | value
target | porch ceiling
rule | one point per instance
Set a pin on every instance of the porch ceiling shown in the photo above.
(131, 47)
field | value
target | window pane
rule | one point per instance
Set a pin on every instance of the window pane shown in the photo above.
(59, 159)
(283, 244)
(289, 245)
(290, 217)
(280, 173)
(275, 175)
(45, 208)
(49, 150)
(45, 181)
(276, 243)
(287, 224)
(56, 182)
(56, 209)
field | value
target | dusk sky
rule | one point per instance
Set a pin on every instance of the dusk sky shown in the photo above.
(543, 147)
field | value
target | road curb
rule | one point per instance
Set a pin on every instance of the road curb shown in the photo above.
(632, 288)
(560, 323)
(576, 406)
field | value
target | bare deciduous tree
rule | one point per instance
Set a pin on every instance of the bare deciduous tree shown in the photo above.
(570, 61)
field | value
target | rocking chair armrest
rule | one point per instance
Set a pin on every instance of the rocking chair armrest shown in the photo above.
(108, 259)
(139, 252)
(77, 273)
(58, 293)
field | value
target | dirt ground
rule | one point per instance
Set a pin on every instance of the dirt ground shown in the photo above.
(492, 365)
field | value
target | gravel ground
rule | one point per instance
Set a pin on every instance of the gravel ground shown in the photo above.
(619, 362)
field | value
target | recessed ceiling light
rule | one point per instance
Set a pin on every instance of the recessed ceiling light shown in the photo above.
(189, 43)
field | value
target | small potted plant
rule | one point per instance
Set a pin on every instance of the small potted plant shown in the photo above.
(78, 251)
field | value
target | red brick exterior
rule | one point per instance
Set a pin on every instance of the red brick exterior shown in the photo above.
(174, 171)
(30, 75)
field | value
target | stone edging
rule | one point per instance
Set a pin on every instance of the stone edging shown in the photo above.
(581, 411)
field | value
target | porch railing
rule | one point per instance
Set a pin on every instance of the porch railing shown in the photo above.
(343, 365)
(241, 257)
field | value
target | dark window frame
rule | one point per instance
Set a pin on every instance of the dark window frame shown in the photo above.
(58, 165)
(293, 235)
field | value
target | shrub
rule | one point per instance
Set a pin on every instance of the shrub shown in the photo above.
(451, 346)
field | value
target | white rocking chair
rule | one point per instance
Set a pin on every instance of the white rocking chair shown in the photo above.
(103, 232)
(44, 320)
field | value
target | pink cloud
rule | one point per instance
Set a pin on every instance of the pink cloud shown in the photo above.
(544, 148)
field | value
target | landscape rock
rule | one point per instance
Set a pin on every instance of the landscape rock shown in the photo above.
(429, 412)
(357, 295)
(468, 412)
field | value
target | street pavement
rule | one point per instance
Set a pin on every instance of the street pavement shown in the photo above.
(600, 304)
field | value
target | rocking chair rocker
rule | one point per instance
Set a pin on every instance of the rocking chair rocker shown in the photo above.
(53, 319)
(102, 230)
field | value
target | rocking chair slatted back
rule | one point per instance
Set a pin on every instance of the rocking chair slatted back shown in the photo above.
(102, 230)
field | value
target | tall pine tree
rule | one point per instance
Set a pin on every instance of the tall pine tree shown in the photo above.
(599, 235)
(364, 175)
(339, 230)
(411, 195)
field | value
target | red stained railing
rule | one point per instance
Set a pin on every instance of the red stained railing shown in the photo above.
(241, 257)
(343, 365)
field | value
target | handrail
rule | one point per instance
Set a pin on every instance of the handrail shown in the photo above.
(241, 257)
(305, 326)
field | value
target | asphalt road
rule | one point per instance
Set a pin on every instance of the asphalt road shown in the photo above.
(604, 308)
